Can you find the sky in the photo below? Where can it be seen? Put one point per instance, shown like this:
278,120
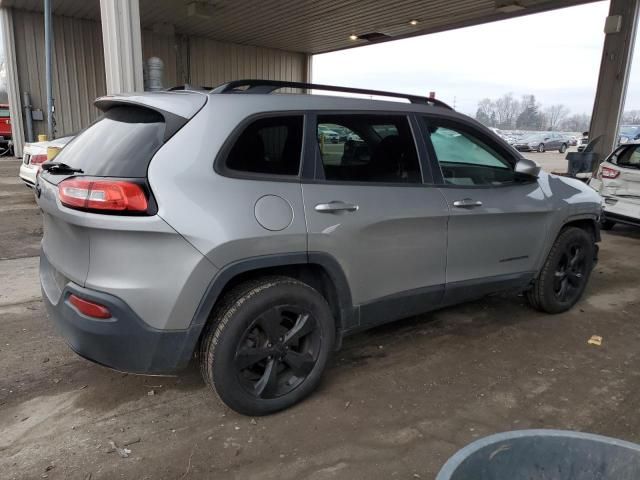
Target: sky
554,55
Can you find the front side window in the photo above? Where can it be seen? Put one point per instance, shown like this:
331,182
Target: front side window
367,148
268,145
467,160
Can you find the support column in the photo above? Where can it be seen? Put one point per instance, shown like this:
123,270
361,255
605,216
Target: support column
122,45
308,68
13,87
614,74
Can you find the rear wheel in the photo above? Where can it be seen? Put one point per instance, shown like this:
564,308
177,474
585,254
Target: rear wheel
267,345
541,148
565,273
563,148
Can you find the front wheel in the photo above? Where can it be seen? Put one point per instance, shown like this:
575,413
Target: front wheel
565,273
541,148
563,148
267,345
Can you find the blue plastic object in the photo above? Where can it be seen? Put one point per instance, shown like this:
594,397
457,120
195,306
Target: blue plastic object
544,455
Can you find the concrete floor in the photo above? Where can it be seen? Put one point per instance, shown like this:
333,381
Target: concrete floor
395,403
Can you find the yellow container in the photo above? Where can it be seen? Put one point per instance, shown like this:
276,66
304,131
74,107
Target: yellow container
52,152
42,137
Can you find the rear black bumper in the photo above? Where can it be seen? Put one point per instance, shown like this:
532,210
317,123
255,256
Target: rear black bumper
615,217
123,342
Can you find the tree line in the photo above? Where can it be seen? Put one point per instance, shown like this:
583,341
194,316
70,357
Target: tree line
509,113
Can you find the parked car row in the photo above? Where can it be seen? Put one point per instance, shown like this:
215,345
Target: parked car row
626,134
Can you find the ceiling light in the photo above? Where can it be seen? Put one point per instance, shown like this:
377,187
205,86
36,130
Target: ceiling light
414,22
508,6
353,37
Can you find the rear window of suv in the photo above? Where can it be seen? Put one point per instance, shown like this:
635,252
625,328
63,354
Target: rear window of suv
120,144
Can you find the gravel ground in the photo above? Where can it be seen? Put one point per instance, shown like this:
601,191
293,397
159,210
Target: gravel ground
396,402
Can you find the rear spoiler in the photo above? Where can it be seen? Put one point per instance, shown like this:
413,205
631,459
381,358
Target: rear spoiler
177,108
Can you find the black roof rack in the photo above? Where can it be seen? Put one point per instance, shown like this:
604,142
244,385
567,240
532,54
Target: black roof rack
268,86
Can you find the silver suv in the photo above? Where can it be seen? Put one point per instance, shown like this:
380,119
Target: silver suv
223,225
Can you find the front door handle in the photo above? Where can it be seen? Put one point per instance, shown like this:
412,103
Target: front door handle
334,207
467,203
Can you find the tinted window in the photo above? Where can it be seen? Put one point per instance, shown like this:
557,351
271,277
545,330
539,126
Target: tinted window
367,148
4,112
466,159
268,145
120,144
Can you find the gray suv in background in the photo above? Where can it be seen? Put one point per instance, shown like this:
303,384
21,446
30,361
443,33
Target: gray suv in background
218,224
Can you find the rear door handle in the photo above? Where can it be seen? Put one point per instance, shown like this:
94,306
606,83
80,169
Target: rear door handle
467,203
334,207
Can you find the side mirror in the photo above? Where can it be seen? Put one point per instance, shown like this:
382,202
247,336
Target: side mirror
528,168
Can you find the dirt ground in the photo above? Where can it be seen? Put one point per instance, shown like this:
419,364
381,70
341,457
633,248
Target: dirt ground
395,403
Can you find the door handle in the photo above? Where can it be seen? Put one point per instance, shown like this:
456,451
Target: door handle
467,203
334,207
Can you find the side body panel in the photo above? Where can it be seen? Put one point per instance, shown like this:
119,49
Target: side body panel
217,214
503,236
395,242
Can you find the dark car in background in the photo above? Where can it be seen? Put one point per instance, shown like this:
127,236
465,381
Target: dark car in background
541,142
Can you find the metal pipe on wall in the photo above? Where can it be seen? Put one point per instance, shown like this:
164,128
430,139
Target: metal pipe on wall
48,47
28,119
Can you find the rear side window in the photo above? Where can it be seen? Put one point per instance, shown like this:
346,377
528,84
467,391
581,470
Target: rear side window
367,148
268,145
120,144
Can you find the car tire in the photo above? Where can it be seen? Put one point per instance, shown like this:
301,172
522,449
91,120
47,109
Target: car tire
607,224
563,148
541,148
267,344
565,273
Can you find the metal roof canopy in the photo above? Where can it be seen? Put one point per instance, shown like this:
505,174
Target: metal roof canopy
309,26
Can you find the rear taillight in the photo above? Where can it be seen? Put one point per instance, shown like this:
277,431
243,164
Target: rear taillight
37,159
104,195
609,172
88,308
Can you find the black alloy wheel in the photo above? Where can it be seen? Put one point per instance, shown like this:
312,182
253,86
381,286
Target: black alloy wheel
570,272
277,351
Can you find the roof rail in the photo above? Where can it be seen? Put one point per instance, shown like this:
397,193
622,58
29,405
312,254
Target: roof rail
269,86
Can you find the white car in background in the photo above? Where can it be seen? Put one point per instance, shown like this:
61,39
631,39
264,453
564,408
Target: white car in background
618,182
34,155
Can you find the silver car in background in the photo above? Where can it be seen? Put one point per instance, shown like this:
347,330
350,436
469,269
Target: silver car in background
217,225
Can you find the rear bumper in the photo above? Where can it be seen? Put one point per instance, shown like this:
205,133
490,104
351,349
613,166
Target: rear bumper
28,174
123,342
616,217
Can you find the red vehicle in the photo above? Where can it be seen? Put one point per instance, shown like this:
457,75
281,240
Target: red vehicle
5,128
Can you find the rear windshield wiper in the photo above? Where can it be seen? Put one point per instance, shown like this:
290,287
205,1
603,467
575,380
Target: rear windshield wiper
59,167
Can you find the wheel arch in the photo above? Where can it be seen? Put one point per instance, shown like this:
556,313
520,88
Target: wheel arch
588,222
319,270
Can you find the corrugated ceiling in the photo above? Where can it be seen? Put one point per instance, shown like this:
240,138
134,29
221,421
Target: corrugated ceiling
311,26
